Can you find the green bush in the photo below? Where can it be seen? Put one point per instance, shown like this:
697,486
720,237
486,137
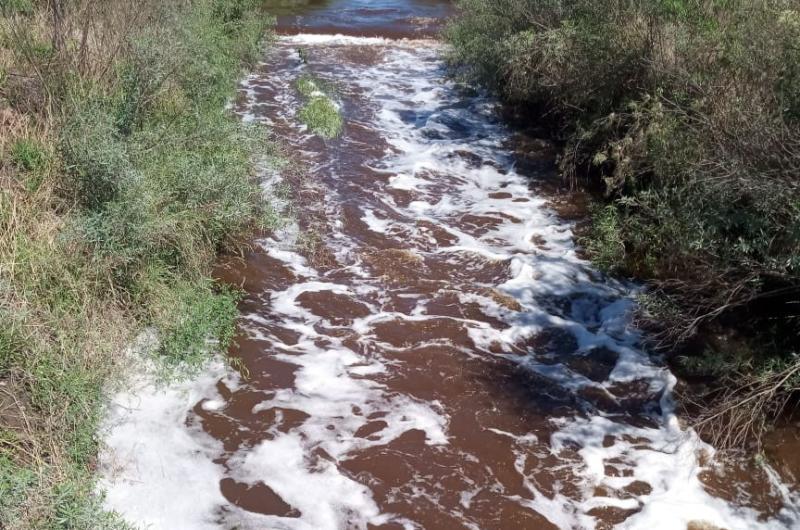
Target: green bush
93,151
163,172
685,114
687,119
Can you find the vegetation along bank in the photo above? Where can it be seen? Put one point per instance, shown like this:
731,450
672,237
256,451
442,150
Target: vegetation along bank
121,178
684,116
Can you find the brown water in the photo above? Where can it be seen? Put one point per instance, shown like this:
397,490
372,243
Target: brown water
365,18
424,347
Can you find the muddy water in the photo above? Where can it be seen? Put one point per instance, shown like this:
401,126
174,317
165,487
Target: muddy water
365,18
424,348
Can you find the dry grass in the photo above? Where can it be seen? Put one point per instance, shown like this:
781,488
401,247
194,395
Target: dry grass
85,87
689,130
395,264
507,301
734,415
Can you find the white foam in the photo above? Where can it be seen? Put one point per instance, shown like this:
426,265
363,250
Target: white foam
338,385
329,385
668,463
313,39
295,261
375,224
324,496
155,469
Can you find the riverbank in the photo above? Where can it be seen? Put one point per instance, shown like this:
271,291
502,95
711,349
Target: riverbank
682,118
122,178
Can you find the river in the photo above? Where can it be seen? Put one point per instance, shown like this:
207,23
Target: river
424,347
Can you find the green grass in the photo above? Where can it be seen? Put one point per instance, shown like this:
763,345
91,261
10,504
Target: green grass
21,7
603,242
31,159
15,484
322,117
194,319
28,155
73,503
140,182
307,85
319,113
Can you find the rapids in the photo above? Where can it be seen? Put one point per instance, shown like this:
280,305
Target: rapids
424,348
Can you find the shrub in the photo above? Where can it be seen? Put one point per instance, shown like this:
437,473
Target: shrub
94,153
684,113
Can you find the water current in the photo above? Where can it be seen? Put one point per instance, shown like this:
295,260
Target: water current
424,346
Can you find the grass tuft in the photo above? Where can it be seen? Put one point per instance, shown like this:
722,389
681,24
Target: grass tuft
319,113
28,155
322,117
194,319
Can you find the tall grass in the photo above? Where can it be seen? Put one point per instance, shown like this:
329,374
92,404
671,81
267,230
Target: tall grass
685,114
122,178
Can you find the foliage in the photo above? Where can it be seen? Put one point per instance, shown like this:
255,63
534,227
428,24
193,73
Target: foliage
685,113
189,317
15,483
134,179
322,117
75,505
28,155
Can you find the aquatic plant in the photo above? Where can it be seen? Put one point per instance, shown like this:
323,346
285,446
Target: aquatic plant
320,113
